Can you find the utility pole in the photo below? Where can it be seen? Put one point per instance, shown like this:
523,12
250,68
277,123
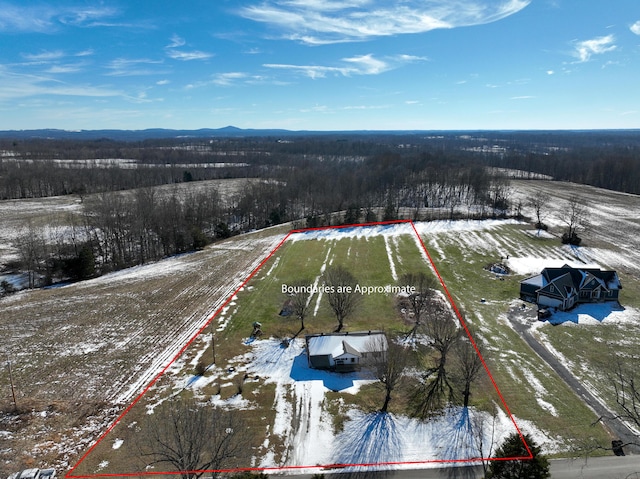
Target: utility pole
13,391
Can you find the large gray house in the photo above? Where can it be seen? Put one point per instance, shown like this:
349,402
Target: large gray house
563,288
344,351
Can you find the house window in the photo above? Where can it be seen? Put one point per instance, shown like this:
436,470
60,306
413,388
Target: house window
552,289
353,360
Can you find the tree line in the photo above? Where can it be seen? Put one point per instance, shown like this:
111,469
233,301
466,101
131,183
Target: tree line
311,182
118,229
612,167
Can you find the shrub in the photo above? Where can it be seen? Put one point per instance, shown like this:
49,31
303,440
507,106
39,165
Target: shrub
200,368
535,468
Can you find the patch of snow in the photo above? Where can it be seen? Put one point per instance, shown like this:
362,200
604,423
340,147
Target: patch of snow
595,313
540,392
117,443
303,423
273,266
529,265
161,268
424,228
392,265
540,234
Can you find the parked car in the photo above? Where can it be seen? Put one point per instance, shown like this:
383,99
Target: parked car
543,313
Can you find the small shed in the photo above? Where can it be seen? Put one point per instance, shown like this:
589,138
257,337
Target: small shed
344,351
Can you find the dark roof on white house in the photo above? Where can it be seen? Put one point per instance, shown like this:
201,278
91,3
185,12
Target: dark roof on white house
567,276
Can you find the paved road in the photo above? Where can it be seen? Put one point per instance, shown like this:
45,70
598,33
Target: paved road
609,467
616,427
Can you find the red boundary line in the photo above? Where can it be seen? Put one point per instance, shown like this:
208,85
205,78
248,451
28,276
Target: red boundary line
70,474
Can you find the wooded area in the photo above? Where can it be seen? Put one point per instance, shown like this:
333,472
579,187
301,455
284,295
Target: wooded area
314,181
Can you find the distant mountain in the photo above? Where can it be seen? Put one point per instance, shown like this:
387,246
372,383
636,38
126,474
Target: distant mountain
137,135
161,133
597,136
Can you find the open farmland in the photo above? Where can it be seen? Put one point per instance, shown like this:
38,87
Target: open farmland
80,353
94,345
292,407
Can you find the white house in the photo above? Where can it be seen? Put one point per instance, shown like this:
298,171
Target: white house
344,351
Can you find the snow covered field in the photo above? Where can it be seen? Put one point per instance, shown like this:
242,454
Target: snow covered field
370,438
95,345
102,341
303,426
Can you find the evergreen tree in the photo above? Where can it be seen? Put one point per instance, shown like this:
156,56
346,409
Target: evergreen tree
535,468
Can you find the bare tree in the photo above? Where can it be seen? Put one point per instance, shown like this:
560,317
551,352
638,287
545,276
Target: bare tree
467,366
574,216
627,388
299,300
31,248
193,439
389,367
483,439
539,203
341,293
626,384
436,389
424,291
500,192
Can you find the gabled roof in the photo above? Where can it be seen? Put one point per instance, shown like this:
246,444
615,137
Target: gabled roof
563,286
336,344
567,278
345,348
552,274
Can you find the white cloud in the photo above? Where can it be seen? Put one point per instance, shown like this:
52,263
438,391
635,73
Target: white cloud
48,18
596,46
367,65
227,79
45,56
188,56
176,42
16,85
311,71
68,68
132,67
359,65
88,16
635,28
85,53
320,22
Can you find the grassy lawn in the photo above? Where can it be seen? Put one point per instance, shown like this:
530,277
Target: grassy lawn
531,390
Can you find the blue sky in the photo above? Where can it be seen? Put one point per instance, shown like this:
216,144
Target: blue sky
320,64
